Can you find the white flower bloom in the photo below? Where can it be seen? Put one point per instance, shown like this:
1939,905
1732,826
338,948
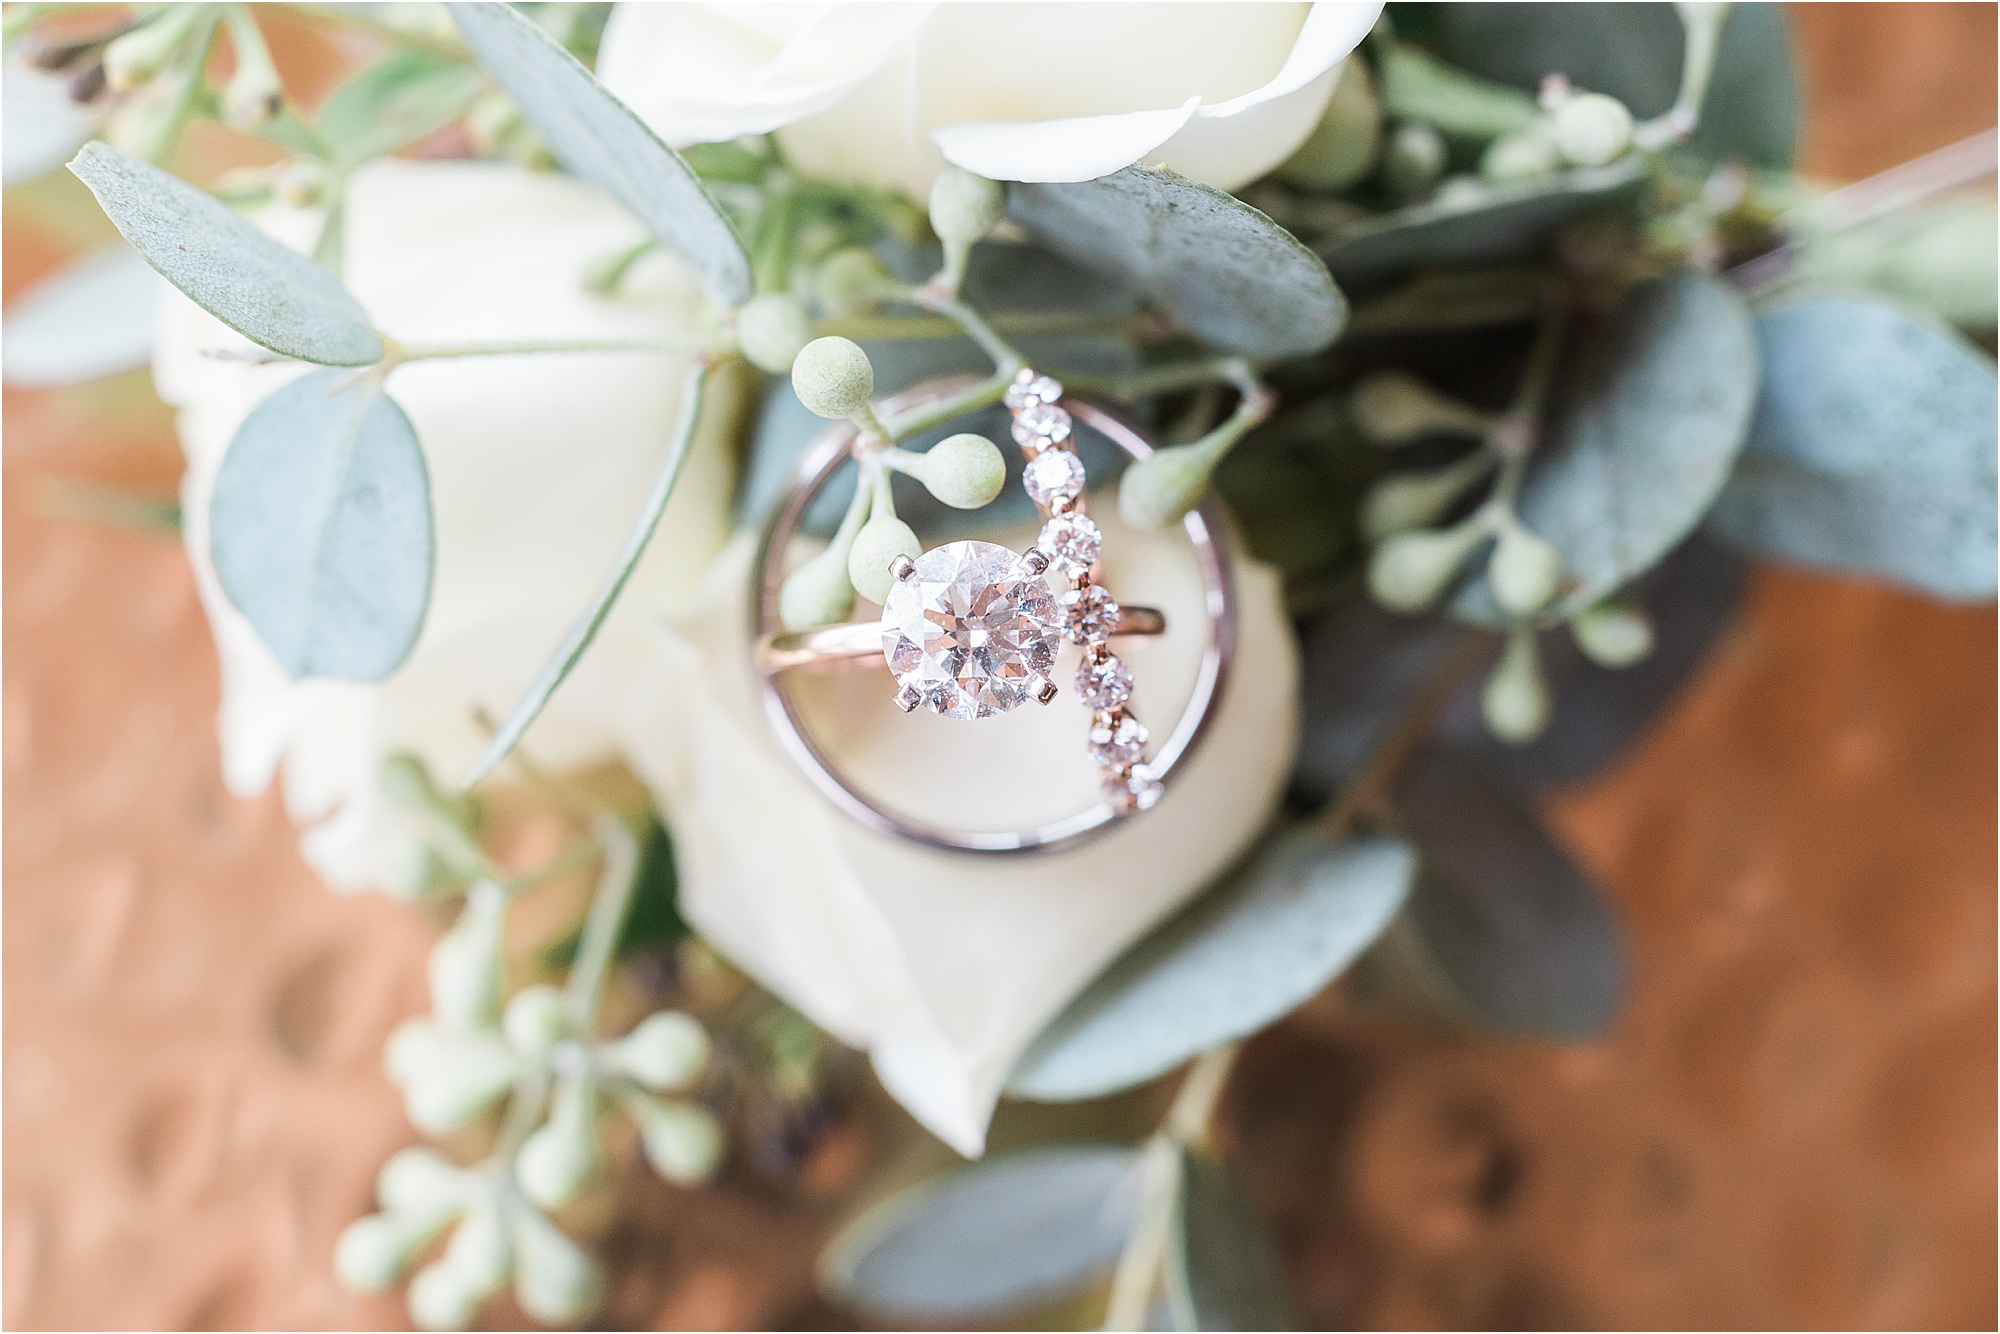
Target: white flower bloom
884,94
945,966
538,464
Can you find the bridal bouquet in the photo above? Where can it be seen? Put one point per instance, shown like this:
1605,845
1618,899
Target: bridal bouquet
1492,340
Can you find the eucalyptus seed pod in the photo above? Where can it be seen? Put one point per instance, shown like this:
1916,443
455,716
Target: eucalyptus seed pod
818,592
479,1249
140,55
554,1280
535,1020
666,1051
420,1182
1592,130
1157,492
833,378
1341,148
1412,161
372,1251
561,1156
1515,702
465,963
683,1142
1520,156
1410,571
254,94
442,1298
1525,571
1613,633
772,330
851,282
462,1075
883,538
1419,499
965,207
965,471
1393,407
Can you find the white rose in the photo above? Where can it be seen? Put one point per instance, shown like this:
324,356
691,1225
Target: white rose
884,94
945,966
538,464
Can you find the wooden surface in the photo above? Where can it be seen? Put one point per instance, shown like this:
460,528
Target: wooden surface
1792,1124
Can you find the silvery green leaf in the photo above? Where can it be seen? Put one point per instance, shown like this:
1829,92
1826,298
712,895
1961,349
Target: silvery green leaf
40,126
1361,667
1632,52
1478,223
1239,958
1690,598
571,650
321,527
1940,259
92,319
600,139
1872,449
1003,1233
395,102
1220,269
274,296
1221,1267
1517,931
1650,413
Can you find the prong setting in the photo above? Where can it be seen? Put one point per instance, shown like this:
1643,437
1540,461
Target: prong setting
902,568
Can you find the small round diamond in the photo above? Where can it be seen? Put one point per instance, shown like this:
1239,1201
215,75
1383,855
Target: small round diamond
1071,542
1137,791
1040,389
1041,425
1052,475
1118,741
1090,614
1103,685
970,632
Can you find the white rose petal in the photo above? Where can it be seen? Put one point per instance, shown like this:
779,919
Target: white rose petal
945,966
538,464
886,94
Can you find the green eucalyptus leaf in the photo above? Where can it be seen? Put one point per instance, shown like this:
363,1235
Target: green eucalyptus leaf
1477,222
1872,449
1220,269
1239,958
320,527
1013,1230
600,139
396,102
1940,259
272,295
1513,927
1633,53
1650,413
1221,1267
568,653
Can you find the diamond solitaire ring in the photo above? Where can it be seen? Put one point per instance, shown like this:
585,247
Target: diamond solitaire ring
972,629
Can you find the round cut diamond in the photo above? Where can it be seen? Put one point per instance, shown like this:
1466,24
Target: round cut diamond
972,632
1053,474
1041,425
1090,614
1103,685
1118,741
1071,542
1039,389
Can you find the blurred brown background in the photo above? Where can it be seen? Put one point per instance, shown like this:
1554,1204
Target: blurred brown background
1793,1123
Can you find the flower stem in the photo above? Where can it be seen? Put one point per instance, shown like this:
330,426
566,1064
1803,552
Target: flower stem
399,354
1007,360
969,399
608,906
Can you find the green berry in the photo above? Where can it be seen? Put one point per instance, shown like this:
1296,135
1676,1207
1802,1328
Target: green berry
666,1051
965,471
1156,492
965,207
1613,634
772,330
1413,161
536,1019
554,1280
876,546
1410,571
1522,155
683,1142
851,282
556,1161
1592,129
1342,146
818,592
1525,571
1394,408
465,963
442,1298
833,378
1515,702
